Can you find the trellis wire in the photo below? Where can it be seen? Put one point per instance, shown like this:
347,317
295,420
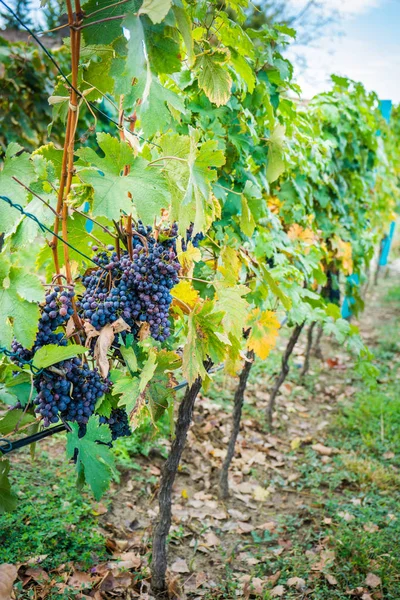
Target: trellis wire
44,227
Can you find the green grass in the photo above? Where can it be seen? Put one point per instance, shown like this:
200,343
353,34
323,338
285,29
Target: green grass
52,518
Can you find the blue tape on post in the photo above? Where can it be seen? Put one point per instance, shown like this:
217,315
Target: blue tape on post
385,107
386,245
89,224
348,302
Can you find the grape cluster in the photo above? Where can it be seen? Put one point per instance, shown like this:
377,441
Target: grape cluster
71,392
55,312
136,289
189,238
118,423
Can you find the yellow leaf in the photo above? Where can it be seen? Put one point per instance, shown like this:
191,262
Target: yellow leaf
295,443
296,232
188,258
274,204
185,293
260,494
264,332
229,265
184,494
344,253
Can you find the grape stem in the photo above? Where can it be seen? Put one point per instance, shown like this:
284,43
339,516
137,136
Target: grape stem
28,189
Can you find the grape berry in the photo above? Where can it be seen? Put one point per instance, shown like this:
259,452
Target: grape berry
118,423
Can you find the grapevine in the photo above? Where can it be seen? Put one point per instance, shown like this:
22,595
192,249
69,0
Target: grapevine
210,209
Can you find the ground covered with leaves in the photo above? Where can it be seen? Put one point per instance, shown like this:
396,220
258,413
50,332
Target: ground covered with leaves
313,512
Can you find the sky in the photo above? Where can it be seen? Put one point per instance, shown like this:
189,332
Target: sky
367,49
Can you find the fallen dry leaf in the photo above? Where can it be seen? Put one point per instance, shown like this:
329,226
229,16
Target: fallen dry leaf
297,582
372,580
260,494
278,591
324,450
388,455
8,574
244,527
212,539
331,579
346,516
370,527
180,566
80,580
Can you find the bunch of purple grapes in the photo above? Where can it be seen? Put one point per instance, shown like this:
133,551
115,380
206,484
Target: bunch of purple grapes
71,391
118,423
189,238
137,289
56,311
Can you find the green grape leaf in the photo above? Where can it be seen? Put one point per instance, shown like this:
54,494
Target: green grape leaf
105,33
205,338
20,292
230,300
276,164
214,78
14,166
52,354
157,394
147,186
275,289
152,112
185,28
156,10
129,356
190,178
8,501
128,390
13,418
95,461
148,371
247,222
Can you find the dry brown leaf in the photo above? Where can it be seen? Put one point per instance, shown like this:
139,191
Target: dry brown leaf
268,526
129,560
274,578
105,339
144,331
70,328
372,580
388,455
324,450
180,566
366,597
331,579
370,527
298,582
80,580
211,539
346,516
8,574
244,527
99,509
116,581
278,591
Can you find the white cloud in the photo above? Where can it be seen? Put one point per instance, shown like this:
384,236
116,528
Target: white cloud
359,59
342,7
